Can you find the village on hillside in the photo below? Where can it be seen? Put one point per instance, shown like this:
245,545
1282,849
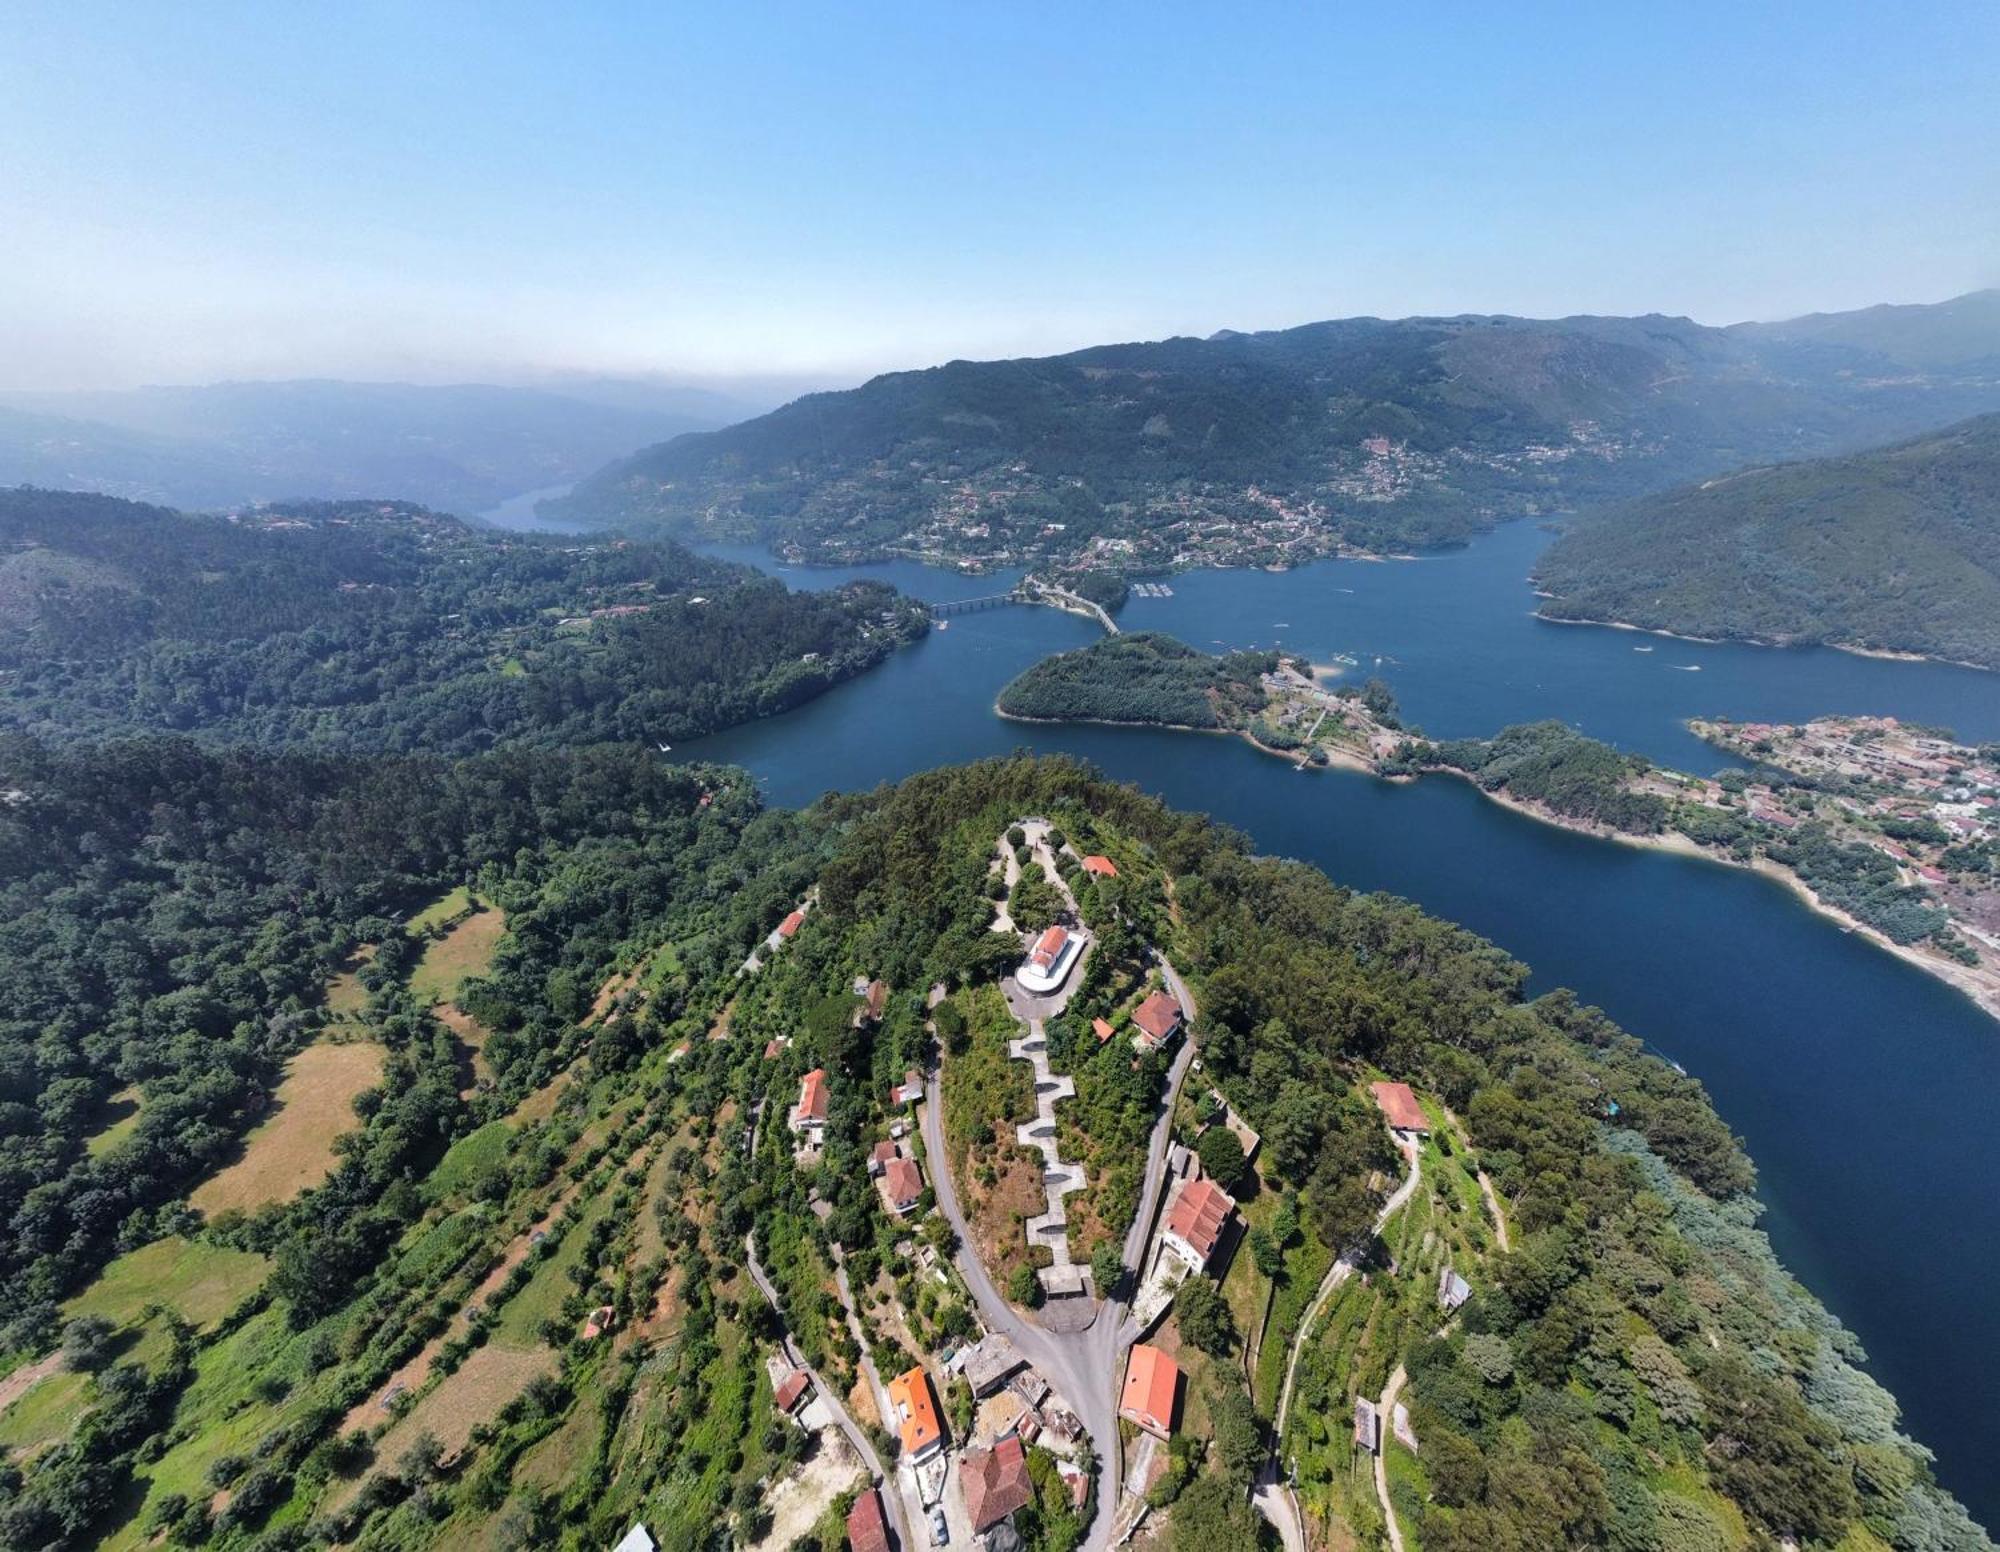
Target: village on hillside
1060,1360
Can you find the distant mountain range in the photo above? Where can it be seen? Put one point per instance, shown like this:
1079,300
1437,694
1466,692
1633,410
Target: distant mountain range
1897,549
1248,448
461,448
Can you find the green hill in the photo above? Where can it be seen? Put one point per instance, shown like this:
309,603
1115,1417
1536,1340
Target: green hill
1897,550
369,625
1143,676
1253,447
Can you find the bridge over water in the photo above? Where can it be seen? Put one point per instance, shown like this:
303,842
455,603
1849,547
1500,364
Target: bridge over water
953,606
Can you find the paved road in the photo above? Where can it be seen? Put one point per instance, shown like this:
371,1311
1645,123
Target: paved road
1273,1499
1085,1366
863,1445
1079,1364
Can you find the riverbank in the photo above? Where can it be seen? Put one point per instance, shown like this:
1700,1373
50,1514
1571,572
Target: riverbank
1980,983
1881,654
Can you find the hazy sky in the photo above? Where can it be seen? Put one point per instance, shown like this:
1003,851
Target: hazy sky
428,189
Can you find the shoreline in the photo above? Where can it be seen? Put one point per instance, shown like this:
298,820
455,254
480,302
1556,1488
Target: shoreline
1884,654
1979,984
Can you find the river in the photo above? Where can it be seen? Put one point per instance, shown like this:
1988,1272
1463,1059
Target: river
1837,1063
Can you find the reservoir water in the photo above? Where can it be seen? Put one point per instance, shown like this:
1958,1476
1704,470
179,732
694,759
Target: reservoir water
1843,1068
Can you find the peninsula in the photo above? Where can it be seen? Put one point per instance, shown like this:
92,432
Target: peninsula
1891,830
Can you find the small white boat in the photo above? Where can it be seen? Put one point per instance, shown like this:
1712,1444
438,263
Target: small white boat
1642,649
1689,668
666,749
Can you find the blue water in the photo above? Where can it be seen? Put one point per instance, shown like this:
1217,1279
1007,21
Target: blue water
1842,1067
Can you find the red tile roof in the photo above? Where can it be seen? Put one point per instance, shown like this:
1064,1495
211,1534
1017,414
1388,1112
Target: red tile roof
1401,1107
1158,1017
1152,1380
812,1096
904,1181
1104,867
916,1413
790,924
884,1151
791,1388
1102,1029
875,1000
1200,1213
772,1048
867,1531
1048,948
995,1482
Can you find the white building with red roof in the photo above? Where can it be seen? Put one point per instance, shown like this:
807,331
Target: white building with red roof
1050,961
809,1114
1197,1220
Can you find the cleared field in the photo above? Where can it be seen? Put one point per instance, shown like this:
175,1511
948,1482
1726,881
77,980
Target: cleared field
345,995
489,1378
121,1120
44,1411
462,953
202,1283
294,1148
441,910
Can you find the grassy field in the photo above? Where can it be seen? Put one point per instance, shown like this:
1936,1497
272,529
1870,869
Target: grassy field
44,1413
345,995
294,1148
462,953
468,1160
200,1282
488,1379
521,1319
120,1120
439,911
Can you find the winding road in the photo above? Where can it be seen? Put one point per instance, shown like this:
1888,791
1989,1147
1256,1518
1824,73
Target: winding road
1084,1366
863,1445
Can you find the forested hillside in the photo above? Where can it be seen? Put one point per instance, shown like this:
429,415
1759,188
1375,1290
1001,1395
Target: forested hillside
367,625
1141,676
1362,432
1637,1372
1897,550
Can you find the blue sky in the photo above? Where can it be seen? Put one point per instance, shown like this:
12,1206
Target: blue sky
438,190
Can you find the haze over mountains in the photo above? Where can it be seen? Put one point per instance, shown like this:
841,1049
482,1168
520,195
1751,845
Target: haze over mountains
1270,446
460,448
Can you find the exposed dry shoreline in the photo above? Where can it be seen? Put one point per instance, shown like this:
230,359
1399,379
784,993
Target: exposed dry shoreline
1889,654
1982,985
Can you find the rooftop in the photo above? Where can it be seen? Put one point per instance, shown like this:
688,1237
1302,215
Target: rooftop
916,1413
1199,1214
1049,946
1152,1380
995,1482
791,1389
867,1531
903,1181
791,924
1400,1106
988,1362
812,1096
1159,1016
1103,867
